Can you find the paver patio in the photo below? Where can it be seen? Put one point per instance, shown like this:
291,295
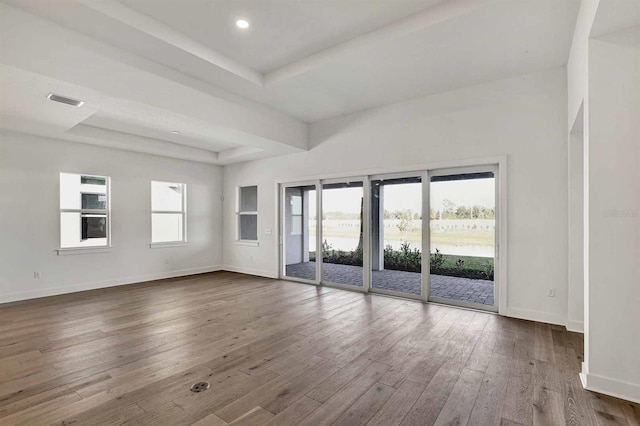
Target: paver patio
464,289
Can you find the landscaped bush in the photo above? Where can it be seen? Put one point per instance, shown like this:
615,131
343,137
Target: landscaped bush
410,260
338,257
405,259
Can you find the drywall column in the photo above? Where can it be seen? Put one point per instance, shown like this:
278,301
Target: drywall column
377,227
575,292
613,292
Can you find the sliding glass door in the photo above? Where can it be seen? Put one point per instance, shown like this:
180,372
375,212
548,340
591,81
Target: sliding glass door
428,235
343,233
299,229
396,235
462,230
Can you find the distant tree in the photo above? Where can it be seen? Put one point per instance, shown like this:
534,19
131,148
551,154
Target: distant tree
340,215
449,209
404,222
463,212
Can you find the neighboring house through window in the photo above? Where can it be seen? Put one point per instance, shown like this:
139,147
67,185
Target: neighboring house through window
247,212
84,211
168,212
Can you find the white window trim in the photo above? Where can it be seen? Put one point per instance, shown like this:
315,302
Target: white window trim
169,244
252,243
239,213
62,251
178,243
83,250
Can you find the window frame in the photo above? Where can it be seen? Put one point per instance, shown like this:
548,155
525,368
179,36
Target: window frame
81,211
177,243
299,216
240,213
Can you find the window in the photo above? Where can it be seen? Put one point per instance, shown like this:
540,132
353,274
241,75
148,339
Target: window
84,211
296,215
247,211
168,212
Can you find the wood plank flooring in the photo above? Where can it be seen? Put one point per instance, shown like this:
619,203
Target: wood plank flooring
281,353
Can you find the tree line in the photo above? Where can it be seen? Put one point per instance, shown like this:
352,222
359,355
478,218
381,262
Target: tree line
449,211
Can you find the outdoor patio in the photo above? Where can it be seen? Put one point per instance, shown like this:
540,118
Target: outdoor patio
464,289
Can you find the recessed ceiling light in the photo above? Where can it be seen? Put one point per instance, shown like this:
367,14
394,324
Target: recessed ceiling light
242,23
175,132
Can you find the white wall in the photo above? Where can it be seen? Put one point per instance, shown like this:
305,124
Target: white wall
524,118
612,313
30,220
577,64
577,139
575,302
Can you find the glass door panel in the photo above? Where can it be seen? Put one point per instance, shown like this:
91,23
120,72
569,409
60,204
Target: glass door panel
396,235
342,233
299,228
462,238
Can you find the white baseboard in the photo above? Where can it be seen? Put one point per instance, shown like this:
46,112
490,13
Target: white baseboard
575,326
616,388
250,271
531,315
54,291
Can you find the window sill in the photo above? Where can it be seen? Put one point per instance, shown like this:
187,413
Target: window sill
169,245
83,250
246,243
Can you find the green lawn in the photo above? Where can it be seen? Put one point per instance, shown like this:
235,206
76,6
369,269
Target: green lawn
471,263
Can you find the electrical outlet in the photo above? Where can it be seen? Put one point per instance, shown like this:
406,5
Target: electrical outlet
251,258
36,275
551,292
166,260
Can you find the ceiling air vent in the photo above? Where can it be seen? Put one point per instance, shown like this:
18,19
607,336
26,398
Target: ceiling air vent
62,99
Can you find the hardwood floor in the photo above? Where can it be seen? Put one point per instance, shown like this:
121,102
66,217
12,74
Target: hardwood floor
281,353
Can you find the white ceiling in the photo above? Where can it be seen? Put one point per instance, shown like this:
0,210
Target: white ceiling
618,21
282,31
147,67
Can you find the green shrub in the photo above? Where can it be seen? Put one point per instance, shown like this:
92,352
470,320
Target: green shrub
410,260
488,269
437,260
405,259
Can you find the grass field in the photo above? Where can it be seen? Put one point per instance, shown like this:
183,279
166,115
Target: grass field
470,262
467,237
